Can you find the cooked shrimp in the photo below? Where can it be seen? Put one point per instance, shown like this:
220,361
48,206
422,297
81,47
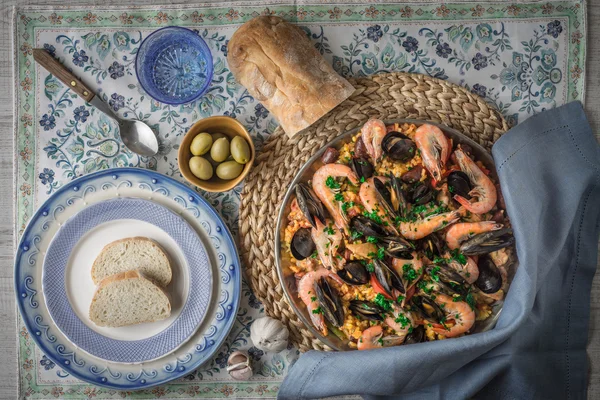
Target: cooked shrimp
444,196
324,185
368,198
327,240
306,292
460,232
469,271
457,311
416,264
434,148
371,338
484,189
373,132
420,228
401,322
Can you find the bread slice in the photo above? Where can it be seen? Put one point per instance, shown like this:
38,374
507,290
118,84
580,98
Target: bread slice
128,298
128,254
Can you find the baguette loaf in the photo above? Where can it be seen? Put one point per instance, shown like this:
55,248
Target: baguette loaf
133,253
128,298
281,68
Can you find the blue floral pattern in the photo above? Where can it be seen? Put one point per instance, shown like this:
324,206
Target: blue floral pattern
520,68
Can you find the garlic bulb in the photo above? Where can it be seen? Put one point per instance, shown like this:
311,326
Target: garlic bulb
269,334
238,366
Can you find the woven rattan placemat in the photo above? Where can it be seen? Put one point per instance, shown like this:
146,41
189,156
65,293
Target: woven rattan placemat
385,96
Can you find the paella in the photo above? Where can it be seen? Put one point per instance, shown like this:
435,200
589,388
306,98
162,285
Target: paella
399,237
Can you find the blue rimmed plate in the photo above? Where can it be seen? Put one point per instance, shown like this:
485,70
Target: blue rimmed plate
132,183
68,287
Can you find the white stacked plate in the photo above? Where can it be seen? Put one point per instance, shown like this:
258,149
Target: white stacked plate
54,285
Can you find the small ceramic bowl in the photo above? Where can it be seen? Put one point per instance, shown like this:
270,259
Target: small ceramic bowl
218,124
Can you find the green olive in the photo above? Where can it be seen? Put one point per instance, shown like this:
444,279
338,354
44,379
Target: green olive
229,170
216,136
201,144
240,150
201,168
220,150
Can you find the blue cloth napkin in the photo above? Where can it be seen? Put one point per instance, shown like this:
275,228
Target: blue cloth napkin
549,170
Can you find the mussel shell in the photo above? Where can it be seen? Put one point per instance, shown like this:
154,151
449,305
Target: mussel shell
416,336
367,226
427,308
385,196
388,278
398,146
432,245
446,274
367,310
421,194
490,278
397,247
362,167
330,302
398,199
302,244
488,242
459,183
309,204
354,273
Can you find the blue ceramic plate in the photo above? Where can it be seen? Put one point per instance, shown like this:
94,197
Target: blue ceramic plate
67,280
133,183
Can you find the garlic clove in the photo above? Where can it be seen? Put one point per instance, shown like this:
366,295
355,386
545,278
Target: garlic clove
238,365
269,334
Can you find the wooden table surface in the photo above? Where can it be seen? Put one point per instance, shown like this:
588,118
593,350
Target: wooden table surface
8,337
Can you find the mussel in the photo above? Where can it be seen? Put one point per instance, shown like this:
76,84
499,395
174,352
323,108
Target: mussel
367,310
367,227
354,273
459,183
447,280
391,196
302,244
416,336
490,278
309,204
362,167
432,245
330,302
398,146
388,278
428,309
421,193
487,242
397,247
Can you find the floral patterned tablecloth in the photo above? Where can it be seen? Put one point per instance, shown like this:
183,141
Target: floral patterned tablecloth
522,57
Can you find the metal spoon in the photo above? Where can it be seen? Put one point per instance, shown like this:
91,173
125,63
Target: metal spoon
136,135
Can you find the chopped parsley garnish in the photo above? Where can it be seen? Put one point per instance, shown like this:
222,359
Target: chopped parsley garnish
346,205
338,197
409,273
423,286
458,256
371,239
370,267
399,299
470,300
380,253
382,302
354,234
373,215
331,183
434,273
380,340
317,311
314,254
329,230
362,179
313,299
402,320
